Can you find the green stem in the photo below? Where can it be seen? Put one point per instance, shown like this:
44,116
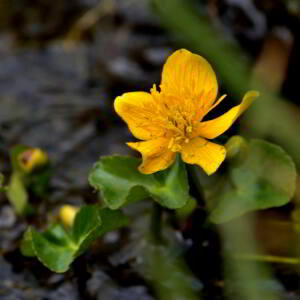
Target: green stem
268,258
156,222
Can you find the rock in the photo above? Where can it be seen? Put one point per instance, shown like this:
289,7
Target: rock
7,217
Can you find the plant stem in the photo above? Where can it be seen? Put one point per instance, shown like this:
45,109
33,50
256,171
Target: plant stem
268,258
156,222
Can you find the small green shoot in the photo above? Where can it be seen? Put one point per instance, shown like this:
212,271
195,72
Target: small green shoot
57,247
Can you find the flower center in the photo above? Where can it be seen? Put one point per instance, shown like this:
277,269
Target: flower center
179,129
178,116
175,143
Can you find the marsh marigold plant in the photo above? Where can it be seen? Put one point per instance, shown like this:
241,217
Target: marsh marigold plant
170,120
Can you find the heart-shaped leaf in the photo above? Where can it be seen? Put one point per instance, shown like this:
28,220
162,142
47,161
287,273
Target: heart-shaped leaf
120,182
57,248
263,178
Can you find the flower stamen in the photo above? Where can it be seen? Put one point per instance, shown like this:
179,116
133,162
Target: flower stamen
171,143
189,129
176,148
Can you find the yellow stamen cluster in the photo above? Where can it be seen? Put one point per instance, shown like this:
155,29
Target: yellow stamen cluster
178,119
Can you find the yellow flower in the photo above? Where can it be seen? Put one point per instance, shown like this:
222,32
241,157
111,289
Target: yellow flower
170,121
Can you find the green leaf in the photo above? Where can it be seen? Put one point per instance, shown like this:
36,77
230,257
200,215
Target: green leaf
17,194
116,176
120,182
26,244
264,178
57,248
86,221
92,222
187,209
53,248
173,188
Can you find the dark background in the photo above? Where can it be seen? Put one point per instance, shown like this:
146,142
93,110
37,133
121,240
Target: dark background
63,62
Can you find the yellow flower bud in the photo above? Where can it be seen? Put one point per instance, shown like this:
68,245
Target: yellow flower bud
67,214
32,159
236,147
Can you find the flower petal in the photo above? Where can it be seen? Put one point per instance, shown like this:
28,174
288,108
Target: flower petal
216,103
204,153
213,128
137,109
189,75
155,153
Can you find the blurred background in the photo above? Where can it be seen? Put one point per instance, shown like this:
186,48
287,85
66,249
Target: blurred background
62,63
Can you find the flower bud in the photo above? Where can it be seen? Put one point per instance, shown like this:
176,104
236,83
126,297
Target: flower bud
67,214
236,148
32,159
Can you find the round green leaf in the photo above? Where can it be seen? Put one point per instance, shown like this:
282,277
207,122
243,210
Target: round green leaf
53,248
120,182
116,176
265,178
